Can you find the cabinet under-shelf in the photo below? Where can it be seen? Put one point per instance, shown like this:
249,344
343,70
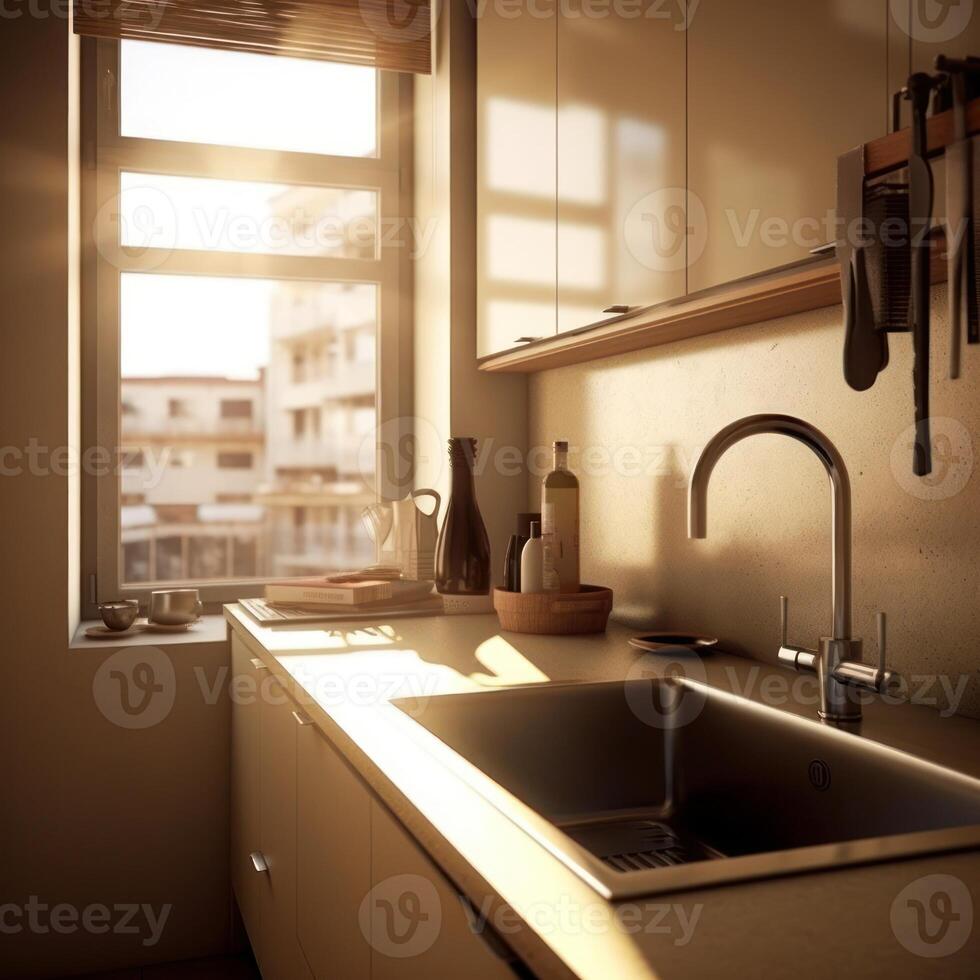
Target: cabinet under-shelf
765,297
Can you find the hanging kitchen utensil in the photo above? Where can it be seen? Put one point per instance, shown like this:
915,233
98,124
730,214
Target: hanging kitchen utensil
918,92
886,209
865,349
961,228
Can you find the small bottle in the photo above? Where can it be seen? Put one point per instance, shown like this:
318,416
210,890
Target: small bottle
512,561
559,519
463,549
532,561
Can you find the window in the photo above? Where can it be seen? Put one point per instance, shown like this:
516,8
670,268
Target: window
236,408
235,461
250,288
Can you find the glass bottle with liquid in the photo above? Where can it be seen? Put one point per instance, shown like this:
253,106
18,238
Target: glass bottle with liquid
559,525
463,548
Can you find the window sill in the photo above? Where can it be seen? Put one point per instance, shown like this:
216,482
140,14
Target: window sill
208,629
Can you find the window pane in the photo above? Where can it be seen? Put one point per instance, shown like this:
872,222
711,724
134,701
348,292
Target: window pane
231,98
220,481
204,214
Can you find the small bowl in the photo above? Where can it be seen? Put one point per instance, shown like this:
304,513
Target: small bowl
119,614
675,642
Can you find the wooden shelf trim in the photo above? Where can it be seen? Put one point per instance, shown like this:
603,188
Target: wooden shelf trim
890,152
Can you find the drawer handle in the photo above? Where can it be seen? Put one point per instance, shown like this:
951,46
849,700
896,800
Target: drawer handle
526,340
617,308
257,664
259,862
302,720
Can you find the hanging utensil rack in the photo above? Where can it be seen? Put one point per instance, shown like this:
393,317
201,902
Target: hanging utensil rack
882,279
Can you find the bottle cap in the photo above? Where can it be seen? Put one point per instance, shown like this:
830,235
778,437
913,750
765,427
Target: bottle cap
535,529
561,447
524,523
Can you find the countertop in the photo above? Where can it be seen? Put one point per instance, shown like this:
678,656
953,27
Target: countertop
798,926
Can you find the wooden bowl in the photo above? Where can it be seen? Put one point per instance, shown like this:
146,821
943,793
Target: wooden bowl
556,613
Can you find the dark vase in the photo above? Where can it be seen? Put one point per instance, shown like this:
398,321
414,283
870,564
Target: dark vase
463,548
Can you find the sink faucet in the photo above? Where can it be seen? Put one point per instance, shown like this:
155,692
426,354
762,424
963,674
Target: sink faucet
838,662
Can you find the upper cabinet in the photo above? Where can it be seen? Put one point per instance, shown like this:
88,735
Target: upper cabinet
633,154
516,182
777,89
621,159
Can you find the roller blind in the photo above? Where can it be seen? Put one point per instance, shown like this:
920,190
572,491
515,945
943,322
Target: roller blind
392,34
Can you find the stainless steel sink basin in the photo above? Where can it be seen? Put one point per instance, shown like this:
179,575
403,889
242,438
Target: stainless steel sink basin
652,786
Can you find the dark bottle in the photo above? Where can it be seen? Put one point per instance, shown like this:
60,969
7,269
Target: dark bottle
463,548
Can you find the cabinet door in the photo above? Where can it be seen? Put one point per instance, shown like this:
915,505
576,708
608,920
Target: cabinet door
246,786
419,928
281,958
334,860
621,160
777,90
515,175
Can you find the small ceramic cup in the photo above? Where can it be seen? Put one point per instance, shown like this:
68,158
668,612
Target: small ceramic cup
175,607
119,614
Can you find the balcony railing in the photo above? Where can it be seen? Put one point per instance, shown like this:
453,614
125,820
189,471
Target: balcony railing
346,381
136,426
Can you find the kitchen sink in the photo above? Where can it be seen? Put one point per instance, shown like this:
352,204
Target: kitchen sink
649,786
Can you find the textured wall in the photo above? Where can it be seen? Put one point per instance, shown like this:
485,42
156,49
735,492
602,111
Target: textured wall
643,417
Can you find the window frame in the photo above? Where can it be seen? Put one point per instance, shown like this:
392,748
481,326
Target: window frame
106,154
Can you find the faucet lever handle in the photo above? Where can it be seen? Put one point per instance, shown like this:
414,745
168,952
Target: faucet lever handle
799,657
878,678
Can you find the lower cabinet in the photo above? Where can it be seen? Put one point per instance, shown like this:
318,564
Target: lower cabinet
420,927
246,787
263,815
280,728
329,884
334,872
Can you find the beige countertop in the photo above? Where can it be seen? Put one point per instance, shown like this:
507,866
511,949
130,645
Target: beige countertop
805,925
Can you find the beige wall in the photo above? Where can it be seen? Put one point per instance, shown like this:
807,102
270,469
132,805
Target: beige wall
90,813
769,506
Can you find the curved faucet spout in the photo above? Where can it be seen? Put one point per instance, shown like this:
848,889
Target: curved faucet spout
840,487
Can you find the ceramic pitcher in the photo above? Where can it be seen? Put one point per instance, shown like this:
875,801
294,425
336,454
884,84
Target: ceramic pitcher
406,534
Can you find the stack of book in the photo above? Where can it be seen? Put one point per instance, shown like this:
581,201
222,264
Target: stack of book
343,597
